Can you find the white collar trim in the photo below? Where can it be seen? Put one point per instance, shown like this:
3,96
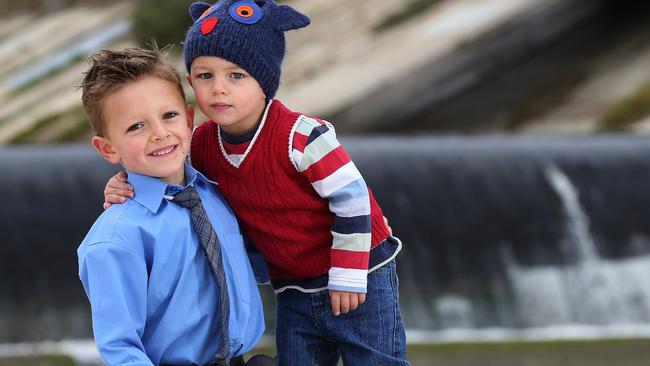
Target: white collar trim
234,162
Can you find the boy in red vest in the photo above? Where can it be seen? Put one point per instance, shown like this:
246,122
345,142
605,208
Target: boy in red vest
297,194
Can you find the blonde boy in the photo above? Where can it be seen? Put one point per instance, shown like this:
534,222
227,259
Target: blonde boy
154,298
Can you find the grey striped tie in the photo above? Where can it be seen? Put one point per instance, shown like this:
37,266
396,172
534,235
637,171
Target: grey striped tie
210,243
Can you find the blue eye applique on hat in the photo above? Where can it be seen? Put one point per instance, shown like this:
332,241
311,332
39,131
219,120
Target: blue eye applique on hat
246,11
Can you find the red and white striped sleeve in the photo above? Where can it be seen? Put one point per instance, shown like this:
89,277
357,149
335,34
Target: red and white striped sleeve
317,154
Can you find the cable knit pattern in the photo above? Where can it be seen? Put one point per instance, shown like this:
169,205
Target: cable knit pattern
282,212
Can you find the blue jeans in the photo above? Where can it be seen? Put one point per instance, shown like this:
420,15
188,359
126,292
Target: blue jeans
308,334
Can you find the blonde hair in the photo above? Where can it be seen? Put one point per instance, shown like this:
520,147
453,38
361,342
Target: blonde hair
109,70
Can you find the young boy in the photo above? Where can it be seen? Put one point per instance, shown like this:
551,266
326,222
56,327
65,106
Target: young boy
156,286
295,191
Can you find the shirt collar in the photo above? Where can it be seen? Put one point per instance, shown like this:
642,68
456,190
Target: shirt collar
250,135
150,191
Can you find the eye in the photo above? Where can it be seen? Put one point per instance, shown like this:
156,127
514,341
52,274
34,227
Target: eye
204,76
135,126
237,75
170,115
244,11
247,12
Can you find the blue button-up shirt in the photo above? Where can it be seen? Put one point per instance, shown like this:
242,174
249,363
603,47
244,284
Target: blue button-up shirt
154,299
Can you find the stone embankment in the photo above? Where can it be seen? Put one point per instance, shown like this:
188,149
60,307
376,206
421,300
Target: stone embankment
538,66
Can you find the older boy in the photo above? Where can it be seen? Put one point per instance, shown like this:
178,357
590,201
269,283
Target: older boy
166,287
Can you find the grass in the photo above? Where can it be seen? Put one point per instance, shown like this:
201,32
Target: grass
620,352
625,112
410,9
45,360
552,353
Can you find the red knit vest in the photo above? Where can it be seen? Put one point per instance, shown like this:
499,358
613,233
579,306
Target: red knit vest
276,206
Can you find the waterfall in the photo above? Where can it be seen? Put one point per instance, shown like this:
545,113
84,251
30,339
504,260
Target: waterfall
503,237
592,290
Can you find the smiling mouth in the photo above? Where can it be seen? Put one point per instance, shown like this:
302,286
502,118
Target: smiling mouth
164,151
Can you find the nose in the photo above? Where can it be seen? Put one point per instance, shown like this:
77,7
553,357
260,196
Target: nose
219,86
159,131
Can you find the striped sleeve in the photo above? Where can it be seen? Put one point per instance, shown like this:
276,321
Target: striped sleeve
318,156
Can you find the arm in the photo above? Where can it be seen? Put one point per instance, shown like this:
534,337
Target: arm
115,281
317,155
258,263
117,190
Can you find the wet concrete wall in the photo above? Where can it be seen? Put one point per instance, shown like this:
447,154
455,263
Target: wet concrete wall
486,222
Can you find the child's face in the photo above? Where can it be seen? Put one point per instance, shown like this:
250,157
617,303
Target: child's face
227,94
147,129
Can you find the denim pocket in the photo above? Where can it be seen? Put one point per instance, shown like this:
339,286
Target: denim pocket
240,267
385,270
384,280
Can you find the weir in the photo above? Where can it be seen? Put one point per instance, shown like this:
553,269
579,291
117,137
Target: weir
506,233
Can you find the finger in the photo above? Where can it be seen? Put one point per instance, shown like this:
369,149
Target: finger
106,205
390,230
118,180
335,299
115,184
345,303
118,192
362,298
354,302
114,198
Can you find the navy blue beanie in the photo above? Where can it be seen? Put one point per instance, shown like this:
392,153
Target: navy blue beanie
245,32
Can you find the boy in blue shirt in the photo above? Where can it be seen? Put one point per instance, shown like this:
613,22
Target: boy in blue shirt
157,296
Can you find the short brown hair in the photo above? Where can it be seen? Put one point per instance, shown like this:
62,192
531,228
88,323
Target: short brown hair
110,70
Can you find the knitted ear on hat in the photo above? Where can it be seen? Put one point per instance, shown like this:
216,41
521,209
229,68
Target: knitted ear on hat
197,9
291,19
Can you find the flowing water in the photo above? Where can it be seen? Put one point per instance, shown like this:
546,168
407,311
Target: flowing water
525,238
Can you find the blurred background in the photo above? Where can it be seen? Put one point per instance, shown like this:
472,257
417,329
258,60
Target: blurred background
504,139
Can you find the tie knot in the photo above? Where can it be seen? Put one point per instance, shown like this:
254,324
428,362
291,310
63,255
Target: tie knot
187,197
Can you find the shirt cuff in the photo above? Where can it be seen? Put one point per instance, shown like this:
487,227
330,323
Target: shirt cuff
347,279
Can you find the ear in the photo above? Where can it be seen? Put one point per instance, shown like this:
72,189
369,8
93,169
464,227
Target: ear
290,19
105,149
188,78
190,116
197,9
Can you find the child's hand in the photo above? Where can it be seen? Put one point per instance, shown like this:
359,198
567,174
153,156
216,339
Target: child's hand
117,190
390,231
343,302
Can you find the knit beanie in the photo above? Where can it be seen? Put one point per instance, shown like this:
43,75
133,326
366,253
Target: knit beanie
245,32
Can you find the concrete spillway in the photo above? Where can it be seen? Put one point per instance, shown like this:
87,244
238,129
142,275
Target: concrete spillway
498,232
